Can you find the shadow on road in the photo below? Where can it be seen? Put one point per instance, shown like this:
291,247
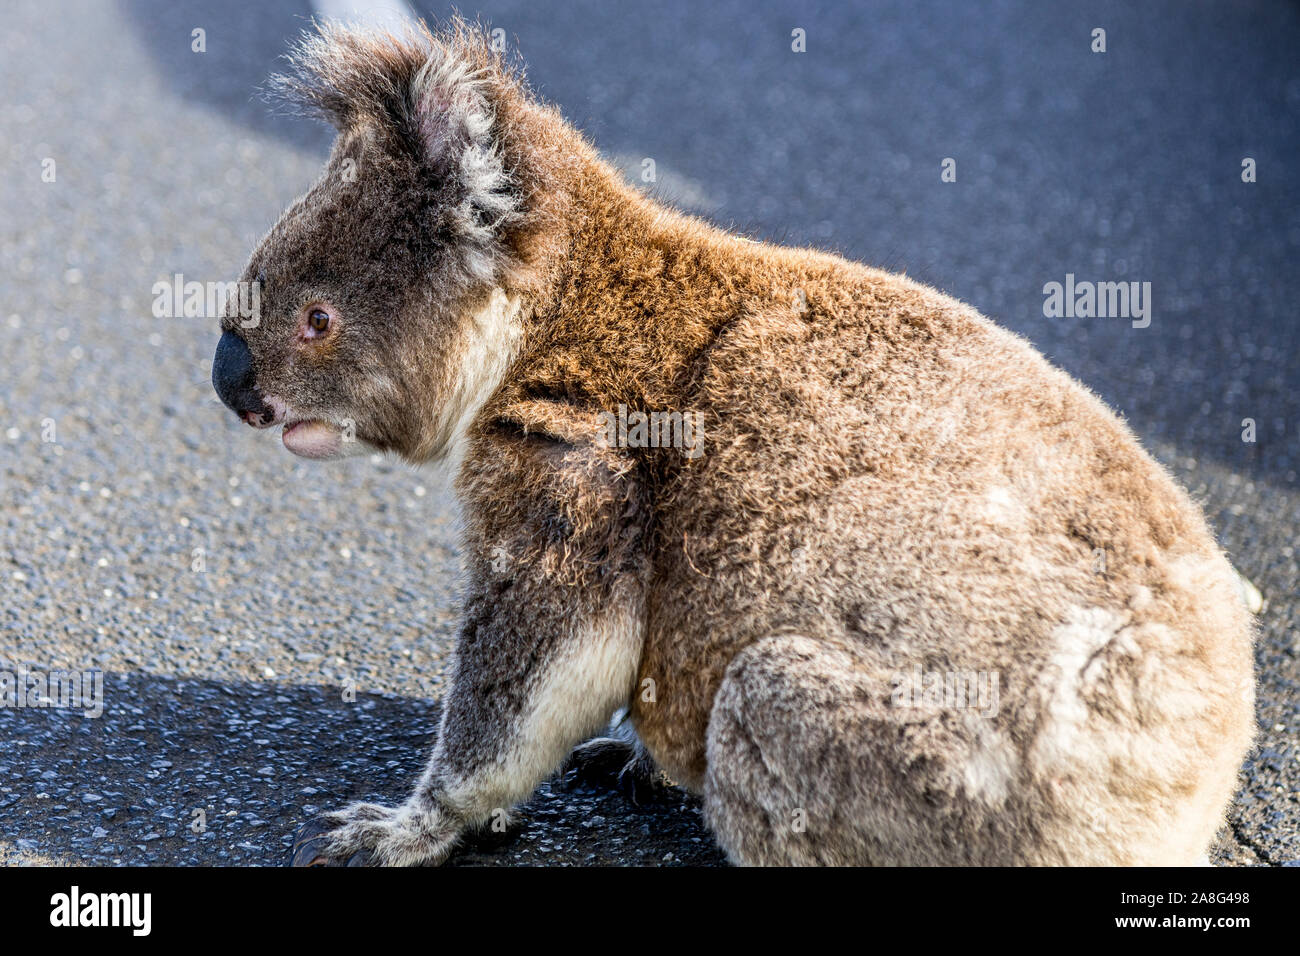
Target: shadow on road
186,772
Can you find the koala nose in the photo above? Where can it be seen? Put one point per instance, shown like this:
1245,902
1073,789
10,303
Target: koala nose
232,377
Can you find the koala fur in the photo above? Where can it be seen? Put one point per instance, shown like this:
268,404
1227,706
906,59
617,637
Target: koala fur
887,484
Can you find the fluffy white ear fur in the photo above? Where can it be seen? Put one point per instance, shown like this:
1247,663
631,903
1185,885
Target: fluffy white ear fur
456,121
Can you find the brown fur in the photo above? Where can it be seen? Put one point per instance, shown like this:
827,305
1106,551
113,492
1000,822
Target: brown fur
887,481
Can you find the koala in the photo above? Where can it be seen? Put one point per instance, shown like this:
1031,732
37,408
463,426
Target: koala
907,595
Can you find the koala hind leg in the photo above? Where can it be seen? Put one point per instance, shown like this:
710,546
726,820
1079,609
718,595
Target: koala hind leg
800,766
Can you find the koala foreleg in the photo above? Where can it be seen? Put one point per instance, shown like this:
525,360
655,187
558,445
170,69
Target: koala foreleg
528,685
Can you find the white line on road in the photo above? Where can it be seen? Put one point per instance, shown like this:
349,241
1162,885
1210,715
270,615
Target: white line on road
371,13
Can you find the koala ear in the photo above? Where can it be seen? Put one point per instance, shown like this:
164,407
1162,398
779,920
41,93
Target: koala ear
455,124
450,109
431,93
343,74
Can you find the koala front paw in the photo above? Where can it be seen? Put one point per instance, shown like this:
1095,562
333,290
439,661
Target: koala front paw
366,834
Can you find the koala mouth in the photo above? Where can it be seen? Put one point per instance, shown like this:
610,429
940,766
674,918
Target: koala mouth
313,438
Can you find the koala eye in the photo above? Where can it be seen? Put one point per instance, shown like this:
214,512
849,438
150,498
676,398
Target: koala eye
316,320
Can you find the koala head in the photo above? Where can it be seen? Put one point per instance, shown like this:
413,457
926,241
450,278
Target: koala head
380,302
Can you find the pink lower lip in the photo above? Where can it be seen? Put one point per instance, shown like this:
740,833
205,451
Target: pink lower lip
310,438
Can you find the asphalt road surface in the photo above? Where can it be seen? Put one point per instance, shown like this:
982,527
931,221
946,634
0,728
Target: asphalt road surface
235,597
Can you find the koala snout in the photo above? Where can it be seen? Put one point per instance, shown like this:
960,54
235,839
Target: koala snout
232,377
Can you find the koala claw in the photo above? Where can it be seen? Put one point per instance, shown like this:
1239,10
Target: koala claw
311,845
597,763
370,835
618,764
641,784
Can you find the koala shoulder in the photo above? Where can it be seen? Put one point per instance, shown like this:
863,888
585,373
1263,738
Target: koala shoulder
540,484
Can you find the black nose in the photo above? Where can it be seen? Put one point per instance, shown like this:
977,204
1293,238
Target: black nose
232,377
